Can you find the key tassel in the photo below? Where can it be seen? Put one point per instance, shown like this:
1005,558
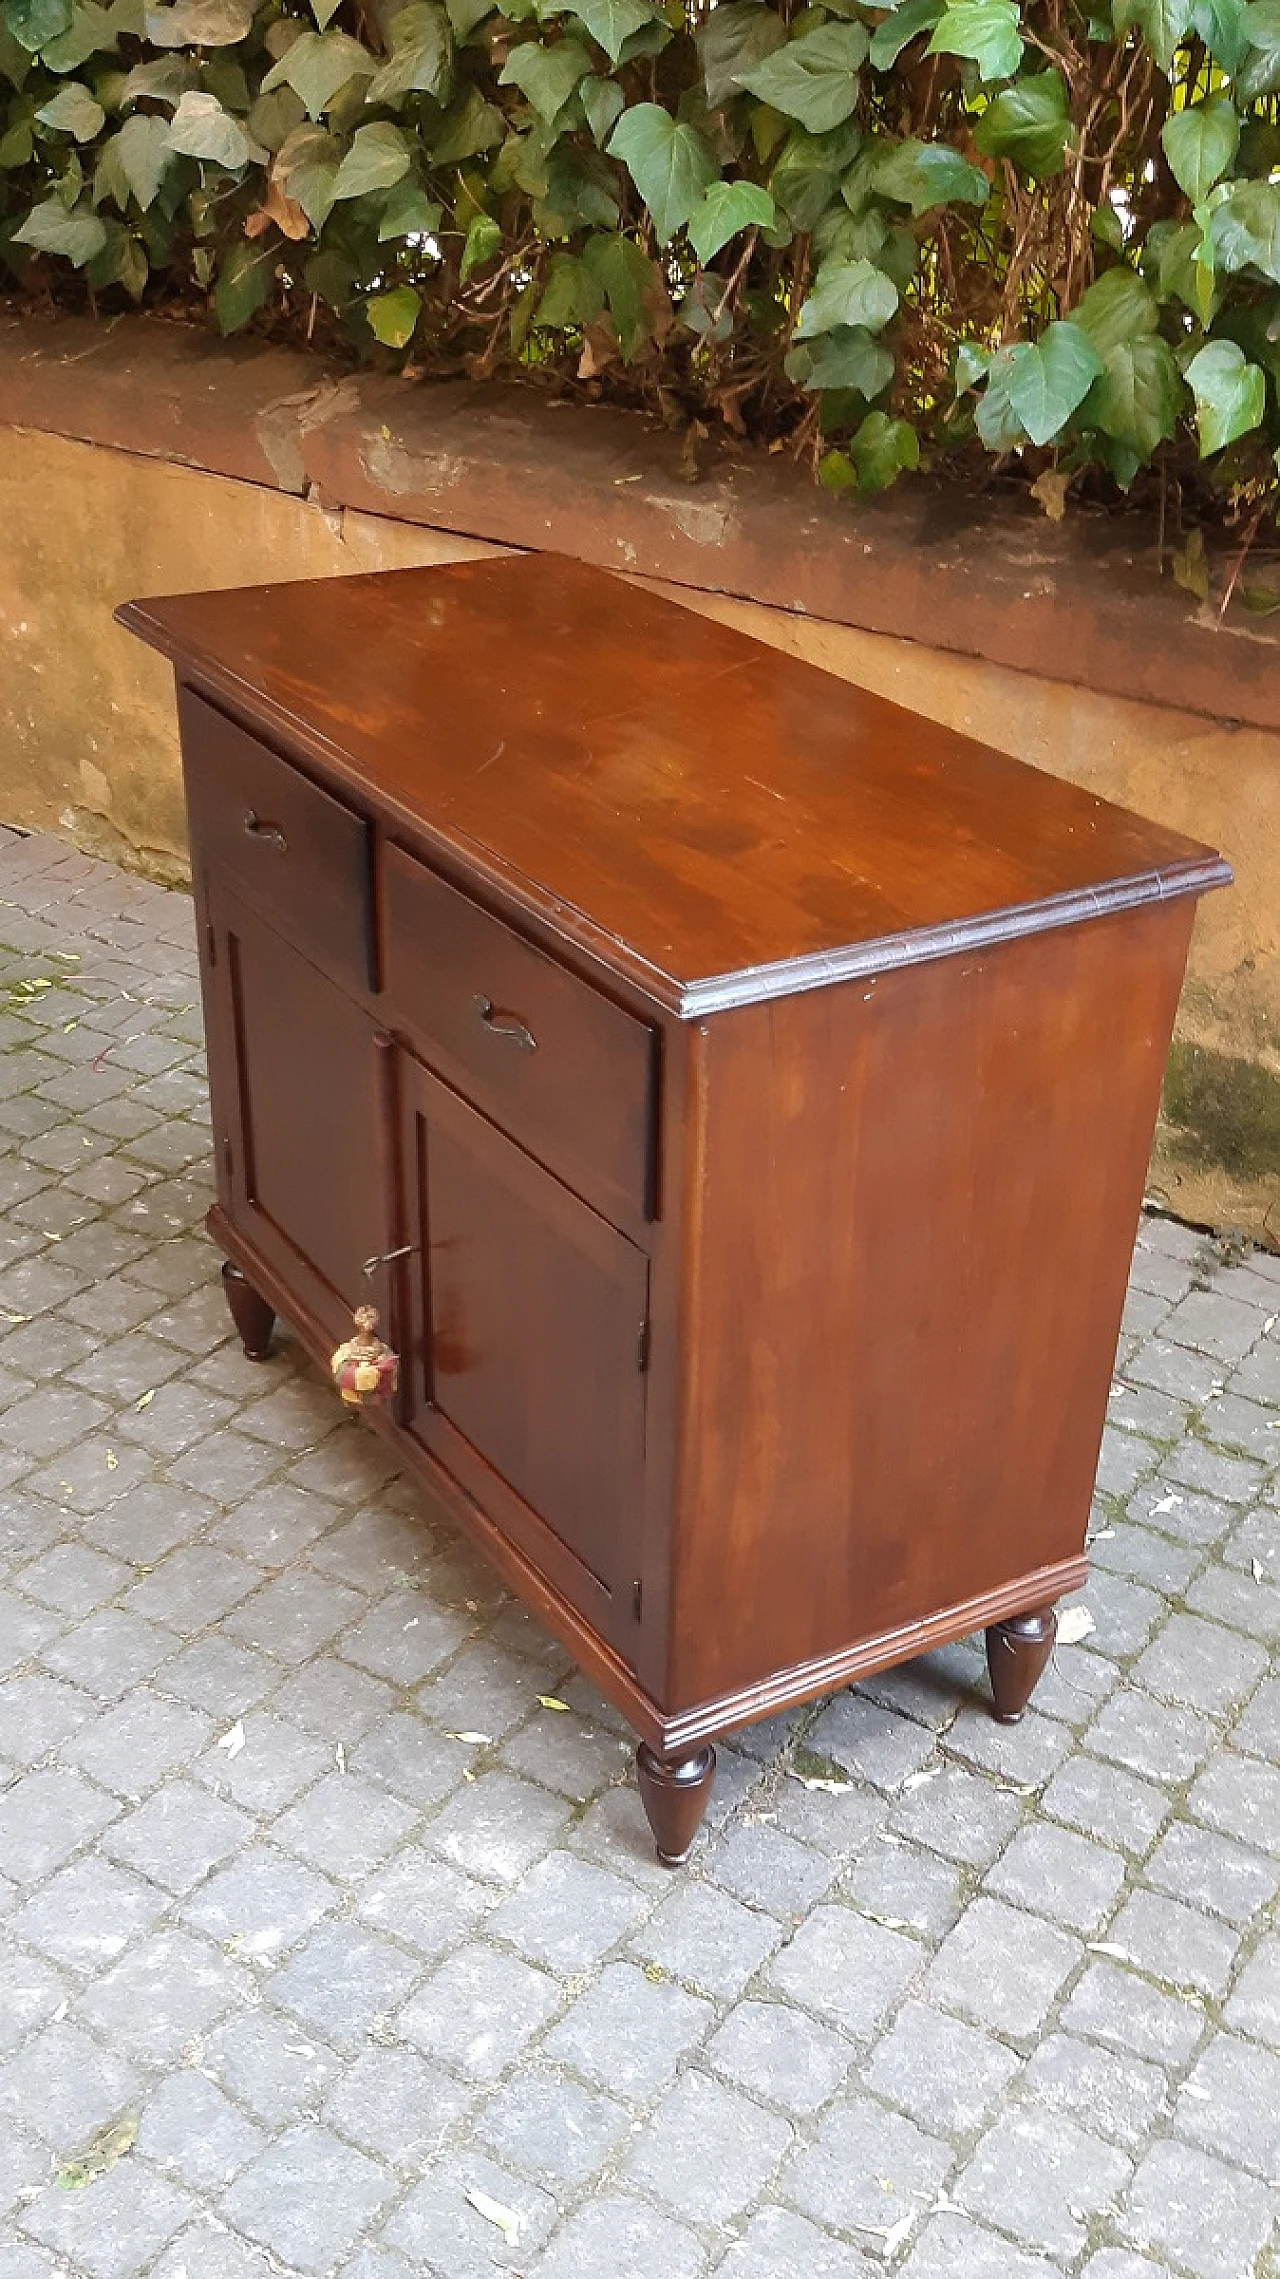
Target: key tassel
364,1369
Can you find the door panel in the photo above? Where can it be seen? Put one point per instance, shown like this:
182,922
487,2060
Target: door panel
529,1311
295,1105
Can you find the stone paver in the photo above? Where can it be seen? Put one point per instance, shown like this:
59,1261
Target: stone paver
298,1875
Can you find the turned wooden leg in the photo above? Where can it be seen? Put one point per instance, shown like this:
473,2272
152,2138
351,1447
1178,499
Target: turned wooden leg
675,1792
1017,1651
251,1314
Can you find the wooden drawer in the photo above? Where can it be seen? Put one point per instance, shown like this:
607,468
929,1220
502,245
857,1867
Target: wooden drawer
559,1066
296,853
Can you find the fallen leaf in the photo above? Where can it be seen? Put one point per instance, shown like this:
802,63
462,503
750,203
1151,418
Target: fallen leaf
1194,2089
106,2146
340,1756
820,1785
475,1740
494,2213
14,1317
549,1701
1107,1947
1269,1324
112,1460
1259,1571
917,1780
1102,1535
144,1400
233,1741
1166,1503
1050,491
1075,1624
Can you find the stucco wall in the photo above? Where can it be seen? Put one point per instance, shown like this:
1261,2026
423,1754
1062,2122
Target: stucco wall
88,742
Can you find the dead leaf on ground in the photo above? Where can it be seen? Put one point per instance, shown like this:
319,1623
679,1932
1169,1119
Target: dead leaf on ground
106,2146
505,2219
1050,491
1075,1624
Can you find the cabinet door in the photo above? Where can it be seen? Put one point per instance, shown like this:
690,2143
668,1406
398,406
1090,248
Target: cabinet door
296,1125
528,1349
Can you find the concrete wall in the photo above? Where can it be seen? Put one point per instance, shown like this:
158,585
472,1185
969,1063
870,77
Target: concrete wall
89,747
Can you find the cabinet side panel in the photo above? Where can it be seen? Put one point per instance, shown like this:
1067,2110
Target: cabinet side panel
914,1208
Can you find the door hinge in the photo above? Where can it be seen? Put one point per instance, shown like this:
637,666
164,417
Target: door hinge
642,1347
637,1601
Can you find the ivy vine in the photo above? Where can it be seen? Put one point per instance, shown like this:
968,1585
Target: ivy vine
880,234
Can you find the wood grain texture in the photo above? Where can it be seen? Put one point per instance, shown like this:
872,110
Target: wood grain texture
713,818
896,1355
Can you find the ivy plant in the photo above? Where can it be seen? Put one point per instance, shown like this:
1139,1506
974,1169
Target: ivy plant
1048,233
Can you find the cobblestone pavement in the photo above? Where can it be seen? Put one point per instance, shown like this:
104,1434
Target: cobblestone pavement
301,1882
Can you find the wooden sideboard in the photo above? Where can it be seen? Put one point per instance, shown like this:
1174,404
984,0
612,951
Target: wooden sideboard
747,1086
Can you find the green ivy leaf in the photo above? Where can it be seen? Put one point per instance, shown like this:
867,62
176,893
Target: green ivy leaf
73,111
200,128
244,285
1117,306
612,23
200,23
49,228
90,32
318,66
1163,23
33,24
421,55
1029,122
1138,394
1049,377
378,158
847,293
307,168
984,30
846,358
881,449
580,193
899,29
602,101
634,287
408,212
806,177
484,236
726,208
927,174
836,473
814,78
737,35
142,148
670,164
547,75
572,295
1230,393
1200,145
469,128
1258,73
1241,225
393,316
165,81
1220,24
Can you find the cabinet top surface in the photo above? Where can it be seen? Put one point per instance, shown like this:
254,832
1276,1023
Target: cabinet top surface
715,818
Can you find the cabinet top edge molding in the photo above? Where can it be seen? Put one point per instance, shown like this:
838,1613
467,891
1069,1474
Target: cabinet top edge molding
719,820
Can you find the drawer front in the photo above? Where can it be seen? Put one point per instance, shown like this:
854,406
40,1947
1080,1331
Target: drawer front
295,853
559,1066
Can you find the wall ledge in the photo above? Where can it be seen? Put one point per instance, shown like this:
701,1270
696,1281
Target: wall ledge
987,577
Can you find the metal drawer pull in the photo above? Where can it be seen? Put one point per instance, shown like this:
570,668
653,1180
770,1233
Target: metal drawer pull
505,1024
271,833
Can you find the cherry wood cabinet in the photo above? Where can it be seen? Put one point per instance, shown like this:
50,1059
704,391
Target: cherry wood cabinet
746,1087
